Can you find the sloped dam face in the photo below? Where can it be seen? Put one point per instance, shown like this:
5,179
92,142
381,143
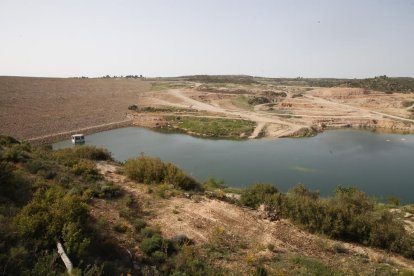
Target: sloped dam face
379,164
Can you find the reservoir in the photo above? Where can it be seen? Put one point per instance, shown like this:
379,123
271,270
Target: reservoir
381,165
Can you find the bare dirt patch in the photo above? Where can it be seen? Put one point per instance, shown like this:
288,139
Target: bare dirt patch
32,107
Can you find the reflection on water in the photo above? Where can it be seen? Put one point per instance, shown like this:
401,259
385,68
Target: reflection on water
379,164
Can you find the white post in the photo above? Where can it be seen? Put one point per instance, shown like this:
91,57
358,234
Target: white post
64,257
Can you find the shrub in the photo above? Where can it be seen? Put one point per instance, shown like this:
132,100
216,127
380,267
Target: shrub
92,153
190,262
16,152
139,224
150,170
393,200
86,169
159,256
212,184
176,177
144,169
310,266
260,271
106,190
7,140
256,100
14,186
133,107
6,170
348,215
270,247
50,212
257,194
152,244
33,166
71,156
120,227
47,174
339,248
148,232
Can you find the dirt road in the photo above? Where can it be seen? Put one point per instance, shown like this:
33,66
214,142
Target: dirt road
299,114
368,113
260,118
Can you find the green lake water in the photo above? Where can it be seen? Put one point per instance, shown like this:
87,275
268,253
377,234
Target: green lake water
379,164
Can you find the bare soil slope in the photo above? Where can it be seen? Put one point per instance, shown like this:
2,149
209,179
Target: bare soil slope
32,107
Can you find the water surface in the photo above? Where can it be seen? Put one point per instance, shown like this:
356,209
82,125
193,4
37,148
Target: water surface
379,164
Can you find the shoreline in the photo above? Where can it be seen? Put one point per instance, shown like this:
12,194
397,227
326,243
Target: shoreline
156,122
56,137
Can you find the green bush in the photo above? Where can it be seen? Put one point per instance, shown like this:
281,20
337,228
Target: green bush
148,232
260,271
120,227
16,152
308,266
144,169
7,140
150,170
47,174
14,185
33,166
213,184
190,262
47,217
71,156
152,244
393,200
257,194
159,256
86,169
92,153
106,190
139,224
349,215
6,170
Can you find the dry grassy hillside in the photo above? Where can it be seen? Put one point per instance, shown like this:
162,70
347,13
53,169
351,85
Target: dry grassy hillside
31,107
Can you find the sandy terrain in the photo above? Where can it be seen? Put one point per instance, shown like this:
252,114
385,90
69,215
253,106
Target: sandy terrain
200,218
33,107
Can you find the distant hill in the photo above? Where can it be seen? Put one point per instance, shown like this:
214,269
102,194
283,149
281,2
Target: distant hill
380,83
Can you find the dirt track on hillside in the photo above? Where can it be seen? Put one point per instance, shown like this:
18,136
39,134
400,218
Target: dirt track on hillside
33,107
293,115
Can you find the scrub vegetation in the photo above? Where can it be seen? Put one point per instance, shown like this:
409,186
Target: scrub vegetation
349,215
62,196
213,127
378,83
150,170
47,196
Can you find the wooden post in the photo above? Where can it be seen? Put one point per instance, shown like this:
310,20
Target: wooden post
64,257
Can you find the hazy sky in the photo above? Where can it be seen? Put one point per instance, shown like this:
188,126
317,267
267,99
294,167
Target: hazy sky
361,38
